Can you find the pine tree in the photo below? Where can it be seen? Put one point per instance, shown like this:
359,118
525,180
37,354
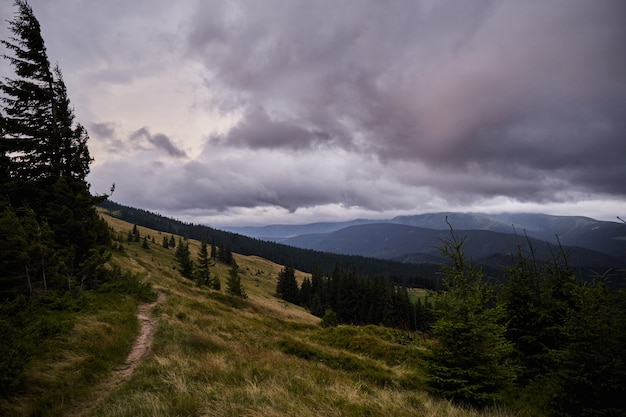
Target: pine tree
319,301
224,254
41,267
71,156
166,243
306,293
216,283
183,258
233,284
38,122
287,286
569,338
144,244
44,155
469,363
592,357
203,275
29,104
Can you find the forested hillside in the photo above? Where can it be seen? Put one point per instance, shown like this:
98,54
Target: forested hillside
420,275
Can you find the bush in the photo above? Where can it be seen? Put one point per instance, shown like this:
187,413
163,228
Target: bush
120,282
330,319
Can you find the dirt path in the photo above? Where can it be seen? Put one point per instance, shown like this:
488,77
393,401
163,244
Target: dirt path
140,349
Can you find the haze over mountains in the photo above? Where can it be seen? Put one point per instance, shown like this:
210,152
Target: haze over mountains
490,238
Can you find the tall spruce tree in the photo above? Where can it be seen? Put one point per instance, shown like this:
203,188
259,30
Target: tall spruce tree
39,134
29,107
44,154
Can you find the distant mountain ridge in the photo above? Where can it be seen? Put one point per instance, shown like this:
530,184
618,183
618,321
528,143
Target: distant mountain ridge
490,237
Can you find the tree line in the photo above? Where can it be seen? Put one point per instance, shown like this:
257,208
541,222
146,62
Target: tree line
199,271
346,297
404,274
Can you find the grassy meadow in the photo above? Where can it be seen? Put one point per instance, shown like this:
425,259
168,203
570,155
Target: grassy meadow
217,355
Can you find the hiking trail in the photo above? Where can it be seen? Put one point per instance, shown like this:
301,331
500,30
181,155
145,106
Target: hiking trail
138,352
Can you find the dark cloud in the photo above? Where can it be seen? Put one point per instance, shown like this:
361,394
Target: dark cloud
160,141
257,130
529,93
103,130
352,105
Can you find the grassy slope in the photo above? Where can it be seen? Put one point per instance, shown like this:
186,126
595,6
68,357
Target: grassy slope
215,355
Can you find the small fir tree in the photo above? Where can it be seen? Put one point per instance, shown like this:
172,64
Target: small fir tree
233,284
216,283
470,361
203,275
183,258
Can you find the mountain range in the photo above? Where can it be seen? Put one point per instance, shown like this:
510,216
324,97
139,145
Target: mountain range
489,238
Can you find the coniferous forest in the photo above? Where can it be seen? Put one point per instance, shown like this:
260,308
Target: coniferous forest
536,339
53,243
403,274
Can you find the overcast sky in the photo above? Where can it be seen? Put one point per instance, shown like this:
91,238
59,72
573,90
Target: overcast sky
293,111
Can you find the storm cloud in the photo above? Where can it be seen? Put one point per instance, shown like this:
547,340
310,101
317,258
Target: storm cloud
159,140
357,106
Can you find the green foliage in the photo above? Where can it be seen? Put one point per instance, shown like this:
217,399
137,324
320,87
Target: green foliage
13,252
216,283
203,275
183,258
287,286
233,283
470,361
356,300
30,326
121,282
224,254
592,358
330,319
568,336
364,368
44,160
376,342
40,140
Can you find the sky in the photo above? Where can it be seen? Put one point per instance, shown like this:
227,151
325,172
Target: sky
238,112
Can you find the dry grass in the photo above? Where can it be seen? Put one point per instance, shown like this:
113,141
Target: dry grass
215,355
